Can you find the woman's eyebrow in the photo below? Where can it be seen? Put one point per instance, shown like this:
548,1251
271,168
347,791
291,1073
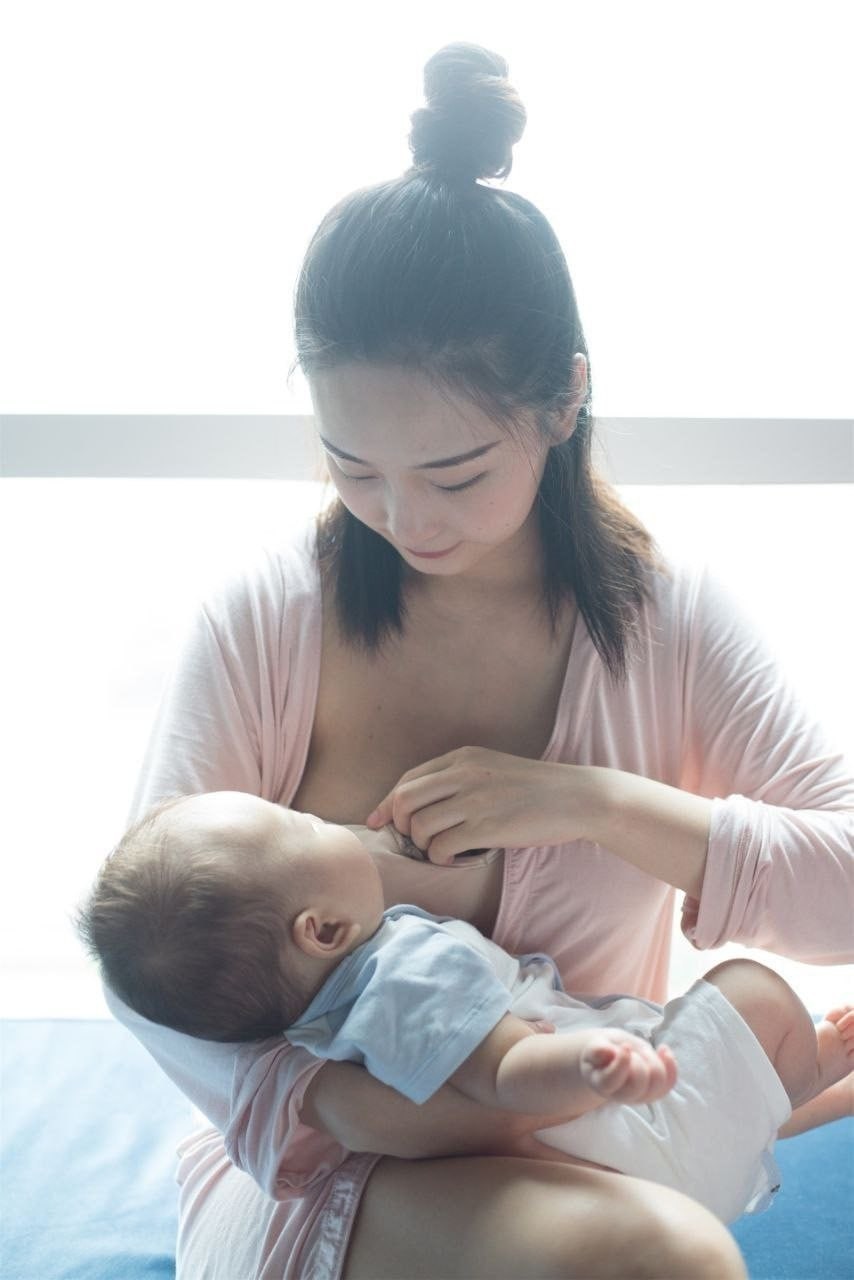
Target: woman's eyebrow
422,466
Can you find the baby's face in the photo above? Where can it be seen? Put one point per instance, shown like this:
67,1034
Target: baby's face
290,850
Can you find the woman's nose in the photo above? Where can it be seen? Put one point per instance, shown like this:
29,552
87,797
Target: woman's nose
410,521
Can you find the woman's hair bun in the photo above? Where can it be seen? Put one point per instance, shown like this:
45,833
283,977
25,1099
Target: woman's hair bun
472,119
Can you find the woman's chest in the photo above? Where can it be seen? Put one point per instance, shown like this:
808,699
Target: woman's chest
377,716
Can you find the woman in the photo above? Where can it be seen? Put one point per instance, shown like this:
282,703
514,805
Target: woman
481,645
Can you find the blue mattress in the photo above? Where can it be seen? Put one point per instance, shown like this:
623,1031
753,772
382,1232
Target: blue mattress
90,1125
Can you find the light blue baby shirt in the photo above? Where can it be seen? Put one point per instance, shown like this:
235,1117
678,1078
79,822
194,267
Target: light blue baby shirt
412,1002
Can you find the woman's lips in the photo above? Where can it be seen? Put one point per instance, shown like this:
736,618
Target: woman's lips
432,555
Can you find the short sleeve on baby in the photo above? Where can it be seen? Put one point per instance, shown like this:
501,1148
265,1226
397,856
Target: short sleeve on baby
411,1005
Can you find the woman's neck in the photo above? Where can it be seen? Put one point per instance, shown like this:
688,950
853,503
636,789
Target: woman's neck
510,578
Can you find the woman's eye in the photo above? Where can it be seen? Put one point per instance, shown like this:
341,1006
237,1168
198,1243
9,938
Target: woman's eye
456,488
346,474
445,488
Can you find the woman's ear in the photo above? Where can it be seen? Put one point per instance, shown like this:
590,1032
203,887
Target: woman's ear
324,937
579,376
562,430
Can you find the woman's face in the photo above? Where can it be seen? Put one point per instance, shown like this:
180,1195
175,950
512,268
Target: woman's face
437,479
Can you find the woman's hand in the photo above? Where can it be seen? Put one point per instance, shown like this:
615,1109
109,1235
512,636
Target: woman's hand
474,798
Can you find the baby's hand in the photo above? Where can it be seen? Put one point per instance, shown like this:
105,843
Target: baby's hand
623,1068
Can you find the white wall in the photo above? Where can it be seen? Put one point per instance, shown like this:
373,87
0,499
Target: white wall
166,163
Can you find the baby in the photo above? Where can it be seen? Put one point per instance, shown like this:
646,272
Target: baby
227,917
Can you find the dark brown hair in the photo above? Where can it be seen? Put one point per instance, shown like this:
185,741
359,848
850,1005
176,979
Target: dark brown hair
467,285
188,940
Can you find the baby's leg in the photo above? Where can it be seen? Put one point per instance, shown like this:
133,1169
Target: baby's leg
835,1103
808,1059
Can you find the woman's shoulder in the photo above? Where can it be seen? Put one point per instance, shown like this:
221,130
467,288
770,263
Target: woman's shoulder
694,617
686,592
673,587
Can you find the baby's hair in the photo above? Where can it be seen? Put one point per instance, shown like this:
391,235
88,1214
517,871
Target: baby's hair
188,937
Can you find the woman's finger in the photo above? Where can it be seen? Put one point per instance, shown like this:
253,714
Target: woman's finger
454,838
381,816
396,805
385,811
437,814
407,797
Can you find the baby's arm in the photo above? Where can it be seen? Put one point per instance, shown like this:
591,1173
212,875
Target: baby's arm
569,1073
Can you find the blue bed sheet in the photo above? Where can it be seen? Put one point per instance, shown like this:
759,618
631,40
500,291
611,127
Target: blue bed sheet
89,1130
808,1234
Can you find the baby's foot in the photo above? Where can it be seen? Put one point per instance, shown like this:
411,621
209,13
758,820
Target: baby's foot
835,1035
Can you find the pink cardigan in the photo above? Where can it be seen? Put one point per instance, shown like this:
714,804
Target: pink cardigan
705,708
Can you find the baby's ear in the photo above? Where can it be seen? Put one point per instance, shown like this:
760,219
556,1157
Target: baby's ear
322,936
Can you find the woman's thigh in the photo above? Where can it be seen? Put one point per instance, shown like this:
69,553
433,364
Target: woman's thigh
485,1218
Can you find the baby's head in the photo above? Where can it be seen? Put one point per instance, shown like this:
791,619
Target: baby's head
221,914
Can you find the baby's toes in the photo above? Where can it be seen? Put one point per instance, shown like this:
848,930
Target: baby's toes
843,1019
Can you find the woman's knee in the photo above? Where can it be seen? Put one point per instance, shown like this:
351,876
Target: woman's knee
694,1243
480,1217
642,1231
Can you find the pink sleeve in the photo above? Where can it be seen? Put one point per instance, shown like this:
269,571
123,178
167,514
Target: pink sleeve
780,867
220,726
222,701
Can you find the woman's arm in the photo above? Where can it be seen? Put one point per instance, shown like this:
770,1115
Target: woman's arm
252,1093
759,833
779,869
343,1100
659,829
225,721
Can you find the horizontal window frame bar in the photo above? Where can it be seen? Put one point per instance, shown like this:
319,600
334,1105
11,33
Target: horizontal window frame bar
648,451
